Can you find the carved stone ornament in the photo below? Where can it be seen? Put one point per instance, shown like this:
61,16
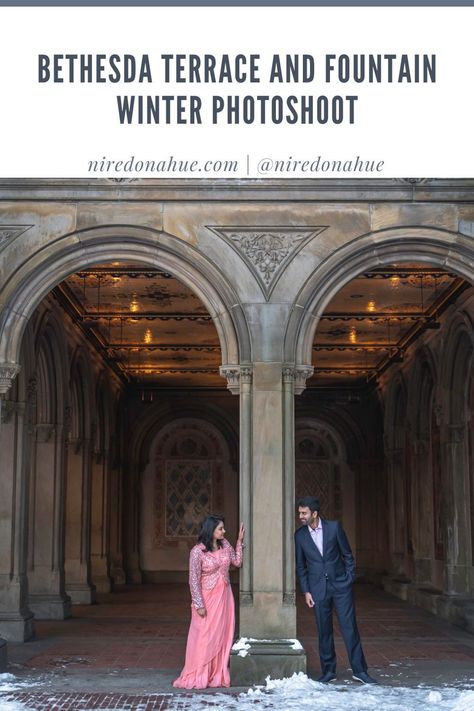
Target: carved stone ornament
412,181
8,373
297,375
122,181
232,374
10,232
302,373
267,250
288,372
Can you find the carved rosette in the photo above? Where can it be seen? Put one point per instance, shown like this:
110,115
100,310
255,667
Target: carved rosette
298,375
236,374
8,373
267,250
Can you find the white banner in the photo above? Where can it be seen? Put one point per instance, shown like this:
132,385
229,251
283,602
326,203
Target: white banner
236,92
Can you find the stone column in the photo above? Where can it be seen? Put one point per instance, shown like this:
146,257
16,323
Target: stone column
456,511
47,594
423,510
78,509
100,486
267,609
397,513
16,620
294,381
117,572
133,571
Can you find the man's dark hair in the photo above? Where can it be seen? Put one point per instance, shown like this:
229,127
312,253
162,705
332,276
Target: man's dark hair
310,502
208,527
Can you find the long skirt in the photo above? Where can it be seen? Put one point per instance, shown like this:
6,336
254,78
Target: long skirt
209,641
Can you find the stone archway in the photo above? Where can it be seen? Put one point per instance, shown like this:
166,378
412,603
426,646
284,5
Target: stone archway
214,435
322,470
189,475
35,276
426,245
429,442
41,271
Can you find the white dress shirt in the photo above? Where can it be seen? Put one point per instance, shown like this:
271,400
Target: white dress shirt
317,536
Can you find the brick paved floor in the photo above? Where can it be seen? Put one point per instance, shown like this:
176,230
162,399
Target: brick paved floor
124,652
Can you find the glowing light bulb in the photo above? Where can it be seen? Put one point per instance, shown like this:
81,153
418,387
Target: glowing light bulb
371,306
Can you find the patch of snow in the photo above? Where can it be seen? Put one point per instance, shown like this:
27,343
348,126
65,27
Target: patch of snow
299,693
241,643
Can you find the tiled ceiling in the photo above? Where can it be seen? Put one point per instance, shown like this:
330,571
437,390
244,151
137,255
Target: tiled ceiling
154,331
152,328
372,320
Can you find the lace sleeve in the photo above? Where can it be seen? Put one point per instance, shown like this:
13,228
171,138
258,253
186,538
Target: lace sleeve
234,555
195,577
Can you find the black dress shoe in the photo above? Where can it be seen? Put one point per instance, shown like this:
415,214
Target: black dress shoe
364,678
326,678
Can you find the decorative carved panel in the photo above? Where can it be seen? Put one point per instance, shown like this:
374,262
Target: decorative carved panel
267,251
10,232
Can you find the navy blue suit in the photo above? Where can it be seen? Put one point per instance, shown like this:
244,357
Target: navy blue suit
329,578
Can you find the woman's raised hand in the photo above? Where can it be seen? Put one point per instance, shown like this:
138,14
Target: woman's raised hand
240,538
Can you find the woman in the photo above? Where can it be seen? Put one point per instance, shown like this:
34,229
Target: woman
212,611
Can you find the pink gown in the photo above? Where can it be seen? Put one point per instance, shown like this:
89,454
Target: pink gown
210,638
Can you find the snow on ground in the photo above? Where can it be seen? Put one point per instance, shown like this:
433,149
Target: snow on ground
9,682
302,694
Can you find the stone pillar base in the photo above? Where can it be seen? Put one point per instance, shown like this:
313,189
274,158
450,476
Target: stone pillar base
398,587
81,594
457,609
275,658
3,654
50,607
118,576
102,584
17,628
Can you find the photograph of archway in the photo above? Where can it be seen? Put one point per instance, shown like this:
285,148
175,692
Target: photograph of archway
172,348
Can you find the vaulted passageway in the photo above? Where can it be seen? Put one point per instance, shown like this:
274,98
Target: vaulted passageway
339,312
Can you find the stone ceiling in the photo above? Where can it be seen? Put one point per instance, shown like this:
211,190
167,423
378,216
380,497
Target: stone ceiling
154,331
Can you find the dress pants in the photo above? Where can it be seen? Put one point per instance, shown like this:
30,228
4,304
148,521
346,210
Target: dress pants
343,601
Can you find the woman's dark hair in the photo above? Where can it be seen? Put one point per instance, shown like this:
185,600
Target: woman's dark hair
208,527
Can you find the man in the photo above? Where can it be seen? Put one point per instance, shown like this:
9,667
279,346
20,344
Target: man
326,571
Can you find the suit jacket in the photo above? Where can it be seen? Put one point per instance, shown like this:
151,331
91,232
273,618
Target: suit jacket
336,564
